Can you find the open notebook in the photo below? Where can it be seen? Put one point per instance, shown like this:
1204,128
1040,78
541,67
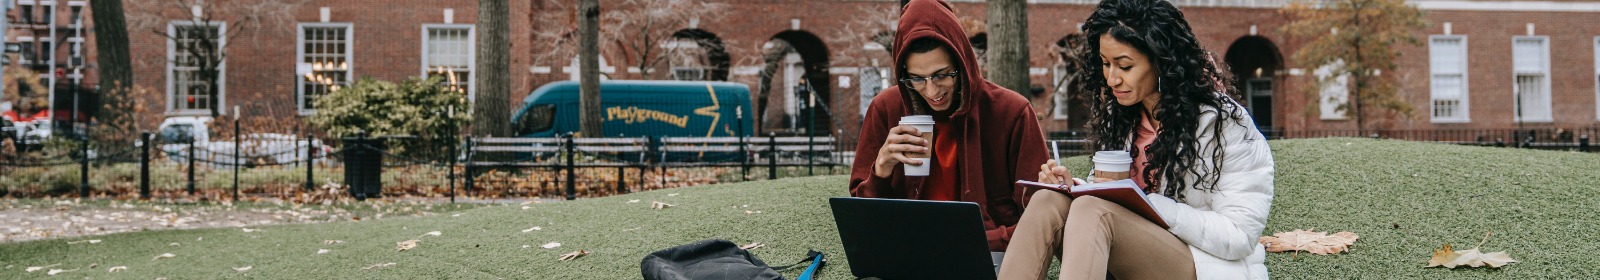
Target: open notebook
1122,192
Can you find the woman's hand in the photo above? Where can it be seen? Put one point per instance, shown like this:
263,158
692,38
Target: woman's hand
1052,172
902,139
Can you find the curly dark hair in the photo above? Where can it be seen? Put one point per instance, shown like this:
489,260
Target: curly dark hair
1188,80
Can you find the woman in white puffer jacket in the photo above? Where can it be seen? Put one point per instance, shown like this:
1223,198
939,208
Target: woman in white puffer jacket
1208,171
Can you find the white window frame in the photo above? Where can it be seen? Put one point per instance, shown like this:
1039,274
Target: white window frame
675,50
172,68
1329,83
1465,112
870,92
1545,73
1062,110
300,57
472,54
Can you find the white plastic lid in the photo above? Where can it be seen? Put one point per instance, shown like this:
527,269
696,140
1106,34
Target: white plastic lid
917,119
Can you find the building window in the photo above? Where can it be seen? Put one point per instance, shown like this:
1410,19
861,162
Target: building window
1447,63
685,58
26,11
447,51
873,81
77,14
1060,94
323,51
1597,77
1335,90
186,87
1530,60
46,52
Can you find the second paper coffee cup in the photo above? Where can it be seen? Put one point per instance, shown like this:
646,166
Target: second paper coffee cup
924,125
1111,165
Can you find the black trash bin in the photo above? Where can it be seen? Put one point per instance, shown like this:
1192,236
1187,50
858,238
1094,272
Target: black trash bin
363,166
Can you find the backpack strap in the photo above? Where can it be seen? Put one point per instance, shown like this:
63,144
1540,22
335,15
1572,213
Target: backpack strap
817,260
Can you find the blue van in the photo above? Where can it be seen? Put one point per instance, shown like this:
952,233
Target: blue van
640,108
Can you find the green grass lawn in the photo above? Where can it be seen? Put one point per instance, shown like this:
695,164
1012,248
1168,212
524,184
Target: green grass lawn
1403,198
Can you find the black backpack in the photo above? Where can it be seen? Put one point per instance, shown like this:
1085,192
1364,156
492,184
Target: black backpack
716,259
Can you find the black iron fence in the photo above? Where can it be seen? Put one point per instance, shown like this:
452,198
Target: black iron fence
521,167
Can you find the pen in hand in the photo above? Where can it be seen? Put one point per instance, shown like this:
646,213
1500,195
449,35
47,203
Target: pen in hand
1055,152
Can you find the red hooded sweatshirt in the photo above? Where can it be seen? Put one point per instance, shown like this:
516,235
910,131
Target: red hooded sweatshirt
998,137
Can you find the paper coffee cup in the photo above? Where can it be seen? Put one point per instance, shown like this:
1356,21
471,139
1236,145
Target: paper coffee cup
924,125
1111,165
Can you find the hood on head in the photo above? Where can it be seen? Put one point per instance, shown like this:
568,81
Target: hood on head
934,19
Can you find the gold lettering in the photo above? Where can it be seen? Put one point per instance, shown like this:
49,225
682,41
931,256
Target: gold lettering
633,114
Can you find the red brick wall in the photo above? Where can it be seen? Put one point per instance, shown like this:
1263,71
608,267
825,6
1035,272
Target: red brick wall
387,46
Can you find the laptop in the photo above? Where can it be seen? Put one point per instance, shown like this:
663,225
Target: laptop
913,239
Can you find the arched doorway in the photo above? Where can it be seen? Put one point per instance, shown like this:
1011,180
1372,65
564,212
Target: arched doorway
1254,61
697,55
797,60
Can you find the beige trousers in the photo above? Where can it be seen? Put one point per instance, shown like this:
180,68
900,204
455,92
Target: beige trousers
1093,237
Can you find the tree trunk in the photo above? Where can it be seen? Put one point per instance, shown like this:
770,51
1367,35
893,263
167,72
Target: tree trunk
1008,44
589,67
491,110
116,70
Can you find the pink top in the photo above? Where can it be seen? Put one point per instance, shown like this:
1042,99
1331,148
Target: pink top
1141,143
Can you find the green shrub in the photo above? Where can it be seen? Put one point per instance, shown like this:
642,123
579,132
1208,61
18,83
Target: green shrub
415,107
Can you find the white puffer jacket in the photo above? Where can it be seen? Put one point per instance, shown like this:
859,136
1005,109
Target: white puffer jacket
1222,227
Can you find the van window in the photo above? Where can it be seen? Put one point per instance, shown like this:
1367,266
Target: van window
538,118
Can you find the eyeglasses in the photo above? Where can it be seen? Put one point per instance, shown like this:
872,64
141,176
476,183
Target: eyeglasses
915,81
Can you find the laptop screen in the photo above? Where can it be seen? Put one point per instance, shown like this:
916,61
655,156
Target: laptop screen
913,239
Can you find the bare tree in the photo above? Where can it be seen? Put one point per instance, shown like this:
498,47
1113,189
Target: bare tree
642,27
1008,44
873,26
634,29
491,112
200,42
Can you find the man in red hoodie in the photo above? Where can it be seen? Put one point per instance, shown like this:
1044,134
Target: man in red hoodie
985,137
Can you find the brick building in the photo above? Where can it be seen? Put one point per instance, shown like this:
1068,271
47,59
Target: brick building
1474,60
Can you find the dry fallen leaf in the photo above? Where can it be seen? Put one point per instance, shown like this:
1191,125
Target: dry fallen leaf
1448,258
433,233
1312,242
573,255
117,268
91,241
323,251
243,269
551,245
532,229
163,256
752,246
377,266
38,268
331,242
633,201
402,246
659,205
249,230
59,271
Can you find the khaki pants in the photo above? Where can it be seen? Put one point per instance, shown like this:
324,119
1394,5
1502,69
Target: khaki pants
1093,237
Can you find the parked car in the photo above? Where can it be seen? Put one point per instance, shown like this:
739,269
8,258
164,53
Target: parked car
175,134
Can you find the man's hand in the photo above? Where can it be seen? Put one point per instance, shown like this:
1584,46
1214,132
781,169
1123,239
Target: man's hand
902,139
